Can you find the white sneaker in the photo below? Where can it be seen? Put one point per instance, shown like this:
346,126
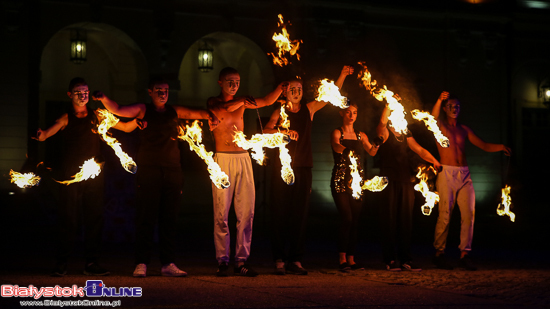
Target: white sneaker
171,270
140,271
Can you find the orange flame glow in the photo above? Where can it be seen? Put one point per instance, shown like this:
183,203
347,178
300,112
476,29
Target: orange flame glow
504,206
422,186
397,115
24,180
193,136
90,169
431,123
376,184
285,45
107,121
329,92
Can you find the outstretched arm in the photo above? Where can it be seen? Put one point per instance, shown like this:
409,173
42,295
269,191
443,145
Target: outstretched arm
488,147
423,153
382,128
437,107
60,124
128,111
314,106
369,148
128,126
268,99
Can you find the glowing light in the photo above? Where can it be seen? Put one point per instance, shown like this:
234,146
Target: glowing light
504,206
422,187
431,123
24,180
108,120
329,92
285,45
376,184
90,169
193,136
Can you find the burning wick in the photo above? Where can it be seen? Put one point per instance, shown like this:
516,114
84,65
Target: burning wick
422,187
193,136
109,120
329,92
285,45
90,169
274,140
431,123
376,184
24,180
504,207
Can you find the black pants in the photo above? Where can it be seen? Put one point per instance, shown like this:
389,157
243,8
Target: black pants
81,202
159,198
289,211
350,210
396,209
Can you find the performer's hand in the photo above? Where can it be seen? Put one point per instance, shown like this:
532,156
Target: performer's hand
347,70
140,123
293,135
507,150
437,166
213,121
98,95
397,97
39,135
250,102
284,87
443,96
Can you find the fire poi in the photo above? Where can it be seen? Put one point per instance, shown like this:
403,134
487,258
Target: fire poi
422,187
90,169
108,120
329,92
24,180
376,184
506,201
284,45
431,123
193,136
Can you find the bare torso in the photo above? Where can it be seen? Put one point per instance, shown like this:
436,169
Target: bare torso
229,123
455,154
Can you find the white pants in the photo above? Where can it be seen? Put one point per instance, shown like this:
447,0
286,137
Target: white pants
455,186
238,168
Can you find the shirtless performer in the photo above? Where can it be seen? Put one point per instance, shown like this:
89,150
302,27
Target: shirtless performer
235,162
454,183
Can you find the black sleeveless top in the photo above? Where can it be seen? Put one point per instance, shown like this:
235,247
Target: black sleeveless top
158,141
80,142
394,160
300,150
341,177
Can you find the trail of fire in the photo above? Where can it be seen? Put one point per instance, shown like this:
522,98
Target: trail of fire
274,140
422,187
24,180
285,45
193,136
397,115
107,121
90,169
431,123
329,92
506,201
375,184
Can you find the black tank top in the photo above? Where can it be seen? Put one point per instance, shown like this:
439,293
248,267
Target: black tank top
158,141
341,176
80,142
394,160
300,150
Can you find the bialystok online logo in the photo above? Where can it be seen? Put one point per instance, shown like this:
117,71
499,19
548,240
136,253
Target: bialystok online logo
93,288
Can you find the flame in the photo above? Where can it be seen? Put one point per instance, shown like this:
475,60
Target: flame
504,206
376,184
422,186
397,115
107,121
90,169
431,123
285,123
274,140
285,45
329,92
193,136
24,180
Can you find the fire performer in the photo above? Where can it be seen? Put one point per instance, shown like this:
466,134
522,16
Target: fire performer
236,163
290,204
344,140
396,215
159,176
80,143
454,183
